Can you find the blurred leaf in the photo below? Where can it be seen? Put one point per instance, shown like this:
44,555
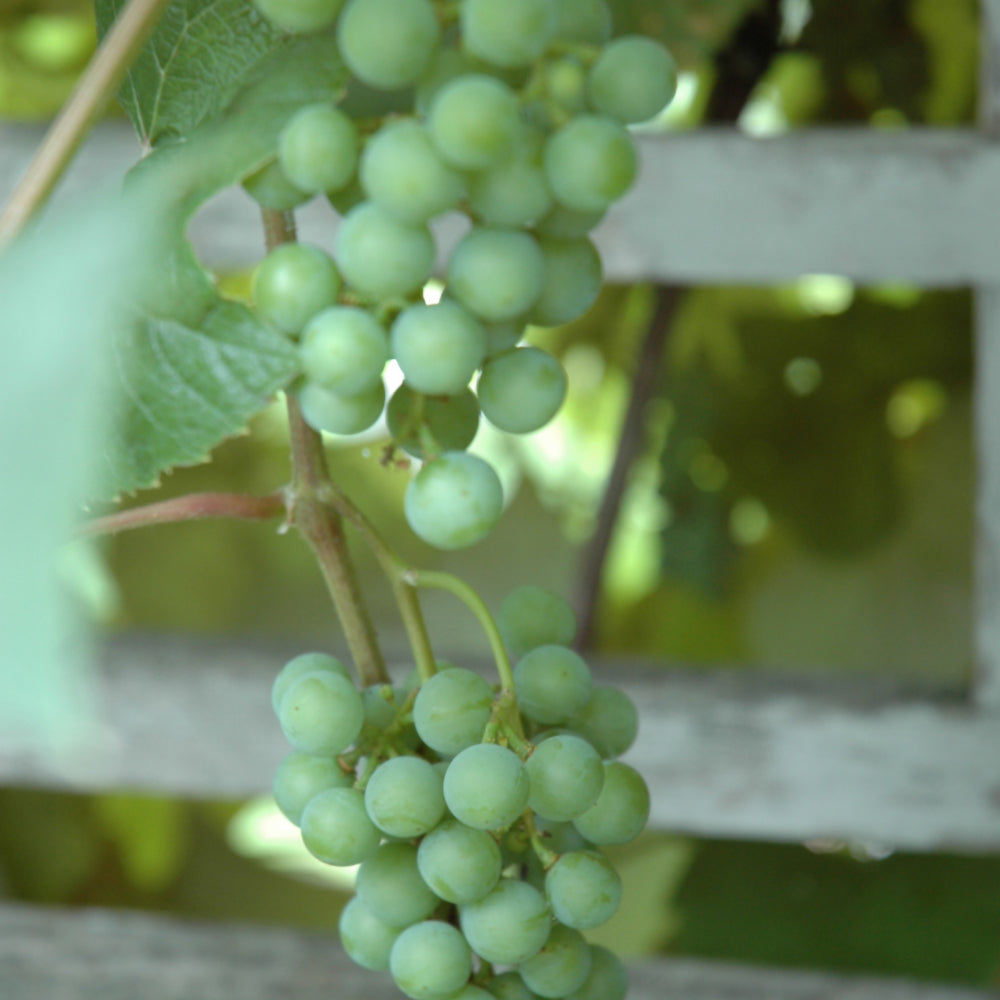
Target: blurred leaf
951,33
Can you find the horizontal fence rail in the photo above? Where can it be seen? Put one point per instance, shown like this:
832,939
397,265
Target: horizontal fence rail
727,753
52,954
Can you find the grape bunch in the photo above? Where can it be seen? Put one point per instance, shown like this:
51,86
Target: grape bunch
516,117
476,816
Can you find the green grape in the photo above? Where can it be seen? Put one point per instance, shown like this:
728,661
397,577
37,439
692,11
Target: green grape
318,148
381,256
564,223
321,713
336,828
508,926
566,84
381,704
404,797
472,992
501,337
366,939
387,43
451,711
446,64
532,616
459,863
552,684
560,837
621,810
607,979
609,721
403,173
345,198
437,347
507,32
561,966
496,273
453,501
521,390
474,121
344,349
590,162
270,188
430,960
390,885
583,889
511,193
324,410
587,21
573,278
633,79
566,776
486,787
510,986
293,283
452,421
304,663
300,16
300,776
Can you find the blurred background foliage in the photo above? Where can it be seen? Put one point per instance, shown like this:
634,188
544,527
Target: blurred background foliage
800,495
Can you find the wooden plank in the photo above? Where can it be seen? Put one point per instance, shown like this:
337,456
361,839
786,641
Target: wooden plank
726,753
53,954
711,206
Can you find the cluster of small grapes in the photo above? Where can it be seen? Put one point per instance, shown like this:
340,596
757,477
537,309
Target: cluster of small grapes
517,119
477,821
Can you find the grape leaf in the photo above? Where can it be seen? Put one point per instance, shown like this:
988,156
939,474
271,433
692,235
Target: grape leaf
192,368
193,64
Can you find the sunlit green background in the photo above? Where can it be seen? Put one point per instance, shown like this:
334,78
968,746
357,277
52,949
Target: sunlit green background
803,500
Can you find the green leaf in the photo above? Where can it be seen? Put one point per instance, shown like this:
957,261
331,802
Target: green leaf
193,64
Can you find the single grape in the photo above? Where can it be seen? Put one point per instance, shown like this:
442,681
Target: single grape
451,710
532,616
300,776
609,721
566,776
336,828
459,863
560,837
446,64
511,193
318,148
486,787
300,16
404,797
452,421
366,939
510,986
347,197
472,992
564,223
503,336
387,43
496,273
293,283
454,501
590,162
324,410
390,885
607,979
474,121
321,713
561,966
584,889
402,171
509,925
270,188
344,349
633,79
573,278
621,810
566,84
438,347
304,663
381,702
507,32
430,960
552,684
380,255
521,390
587,21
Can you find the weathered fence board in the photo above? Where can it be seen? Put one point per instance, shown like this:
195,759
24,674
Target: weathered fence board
51,954
728,753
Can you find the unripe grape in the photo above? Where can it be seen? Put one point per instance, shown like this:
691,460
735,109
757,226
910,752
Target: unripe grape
366,939
301,776
304,663
335,413
430,960
270,188
474,121
486,787
561,966
344,349
521,390
318,148
607,979
452,421
451,710
321,713
633,79
590,162
566,776
293,283
621,810
584,889
532,616
438,347
508,926
496,273
552,684
587,21
404,797
507,32
573,277
336,828
300,16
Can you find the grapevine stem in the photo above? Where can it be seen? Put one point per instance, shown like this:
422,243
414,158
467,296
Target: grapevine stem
95,88
188,508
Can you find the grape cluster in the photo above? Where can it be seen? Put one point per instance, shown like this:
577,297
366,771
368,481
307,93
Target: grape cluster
517,115
477,816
